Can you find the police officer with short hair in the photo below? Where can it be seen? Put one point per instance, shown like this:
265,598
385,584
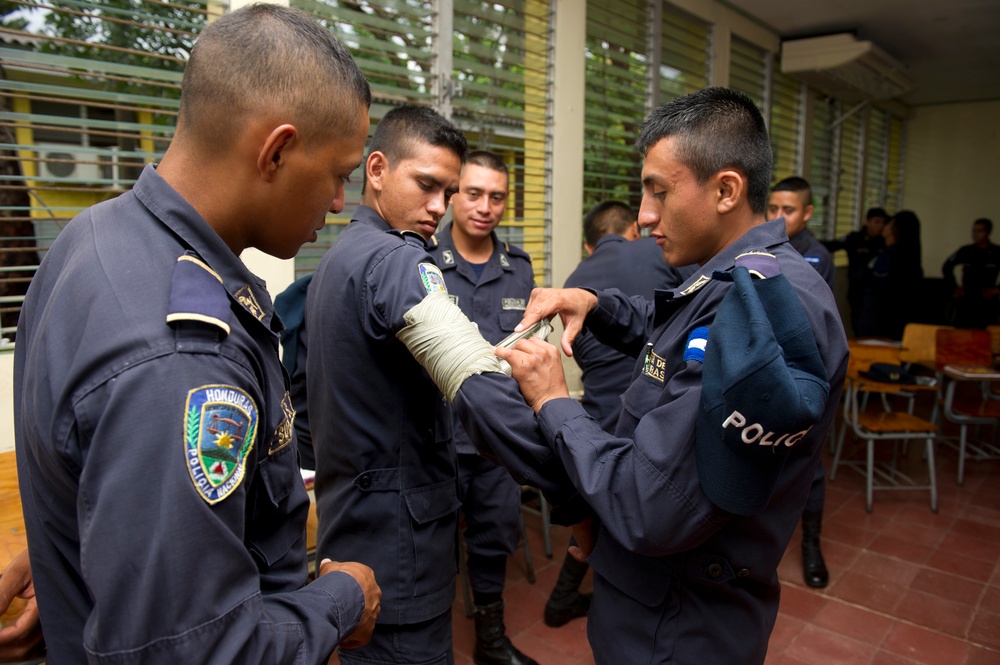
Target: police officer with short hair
491,282
696,494
386,486
164,509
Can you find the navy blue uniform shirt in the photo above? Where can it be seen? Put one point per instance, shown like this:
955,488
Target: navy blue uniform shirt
162,497
495,300
815,253
385,465
636,268
677,579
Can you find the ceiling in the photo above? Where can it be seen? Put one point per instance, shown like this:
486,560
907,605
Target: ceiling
951,48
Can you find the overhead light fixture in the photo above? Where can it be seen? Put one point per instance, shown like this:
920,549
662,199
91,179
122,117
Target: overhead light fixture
845,67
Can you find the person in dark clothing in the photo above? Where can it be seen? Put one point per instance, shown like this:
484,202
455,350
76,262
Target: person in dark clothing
146,364
974,302
490,282
792,199
861,247
616,258
893,281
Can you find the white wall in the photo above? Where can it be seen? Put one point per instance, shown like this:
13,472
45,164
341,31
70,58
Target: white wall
952,166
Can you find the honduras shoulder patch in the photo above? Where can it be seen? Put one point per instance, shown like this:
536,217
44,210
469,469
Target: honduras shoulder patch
220,423
695,347
432,278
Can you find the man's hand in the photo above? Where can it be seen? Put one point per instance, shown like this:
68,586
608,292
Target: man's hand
373,594
537,368
572,306
586,538
22,639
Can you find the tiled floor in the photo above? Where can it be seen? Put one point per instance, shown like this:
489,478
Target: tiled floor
907,586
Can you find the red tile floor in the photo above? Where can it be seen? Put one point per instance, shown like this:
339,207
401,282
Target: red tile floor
907,586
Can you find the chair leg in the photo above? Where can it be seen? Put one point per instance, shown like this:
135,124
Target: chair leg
961,454
529,567
870,482
546,525
931,472
838,448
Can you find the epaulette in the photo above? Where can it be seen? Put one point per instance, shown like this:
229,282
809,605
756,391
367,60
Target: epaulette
514,250
408,235
433,242
198,294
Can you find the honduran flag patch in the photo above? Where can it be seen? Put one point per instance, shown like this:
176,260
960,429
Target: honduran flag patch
695,347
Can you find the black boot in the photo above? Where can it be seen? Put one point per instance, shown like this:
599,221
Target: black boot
566,602
813,567
493,647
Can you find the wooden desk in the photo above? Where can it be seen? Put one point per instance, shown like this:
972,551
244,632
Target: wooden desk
12,538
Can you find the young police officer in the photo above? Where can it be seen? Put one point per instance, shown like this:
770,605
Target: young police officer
385,465
491,282
698,491
164,509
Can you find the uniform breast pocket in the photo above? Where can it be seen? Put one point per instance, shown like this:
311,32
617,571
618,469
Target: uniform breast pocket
433,511
279,499
642,396
509,318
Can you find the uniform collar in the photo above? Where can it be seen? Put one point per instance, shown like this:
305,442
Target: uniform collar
451,259
766,235
608,239
184,221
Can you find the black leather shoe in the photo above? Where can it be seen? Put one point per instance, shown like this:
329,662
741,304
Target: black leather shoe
813,567
493,647
560,611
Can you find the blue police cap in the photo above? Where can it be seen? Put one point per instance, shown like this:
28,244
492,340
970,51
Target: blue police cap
764,386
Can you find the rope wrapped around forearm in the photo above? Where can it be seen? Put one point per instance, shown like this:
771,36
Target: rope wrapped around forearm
446,343
450,347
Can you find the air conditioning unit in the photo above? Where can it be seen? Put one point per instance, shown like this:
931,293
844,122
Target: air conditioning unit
845,67
60,161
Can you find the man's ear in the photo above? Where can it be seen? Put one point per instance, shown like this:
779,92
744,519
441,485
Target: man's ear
375,168
732,188
271,154
808,212
589,248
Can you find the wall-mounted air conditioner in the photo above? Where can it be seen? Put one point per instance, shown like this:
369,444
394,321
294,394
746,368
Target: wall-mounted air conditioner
845,67
58,161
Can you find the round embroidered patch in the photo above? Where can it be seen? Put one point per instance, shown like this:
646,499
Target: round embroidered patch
220,423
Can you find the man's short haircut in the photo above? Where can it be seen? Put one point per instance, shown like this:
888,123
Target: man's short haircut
401,131
717,129
797,185
269,61
876,212
488,160
605,218
985,222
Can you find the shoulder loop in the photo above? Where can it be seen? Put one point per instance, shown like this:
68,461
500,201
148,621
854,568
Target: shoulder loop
198,294
408,236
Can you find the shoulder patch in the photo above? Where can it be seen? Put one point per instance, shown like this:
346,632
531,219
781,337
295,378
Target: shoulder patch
220,423
431,277
695,347
198,294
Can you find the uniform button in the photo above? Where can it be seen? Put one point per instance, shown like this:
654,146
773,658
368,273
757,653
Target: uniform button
365,481
714,570
743,572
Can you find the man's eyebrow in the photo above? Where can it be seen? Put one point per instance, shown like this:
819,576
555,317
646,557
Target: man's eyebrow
651,179
427,176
